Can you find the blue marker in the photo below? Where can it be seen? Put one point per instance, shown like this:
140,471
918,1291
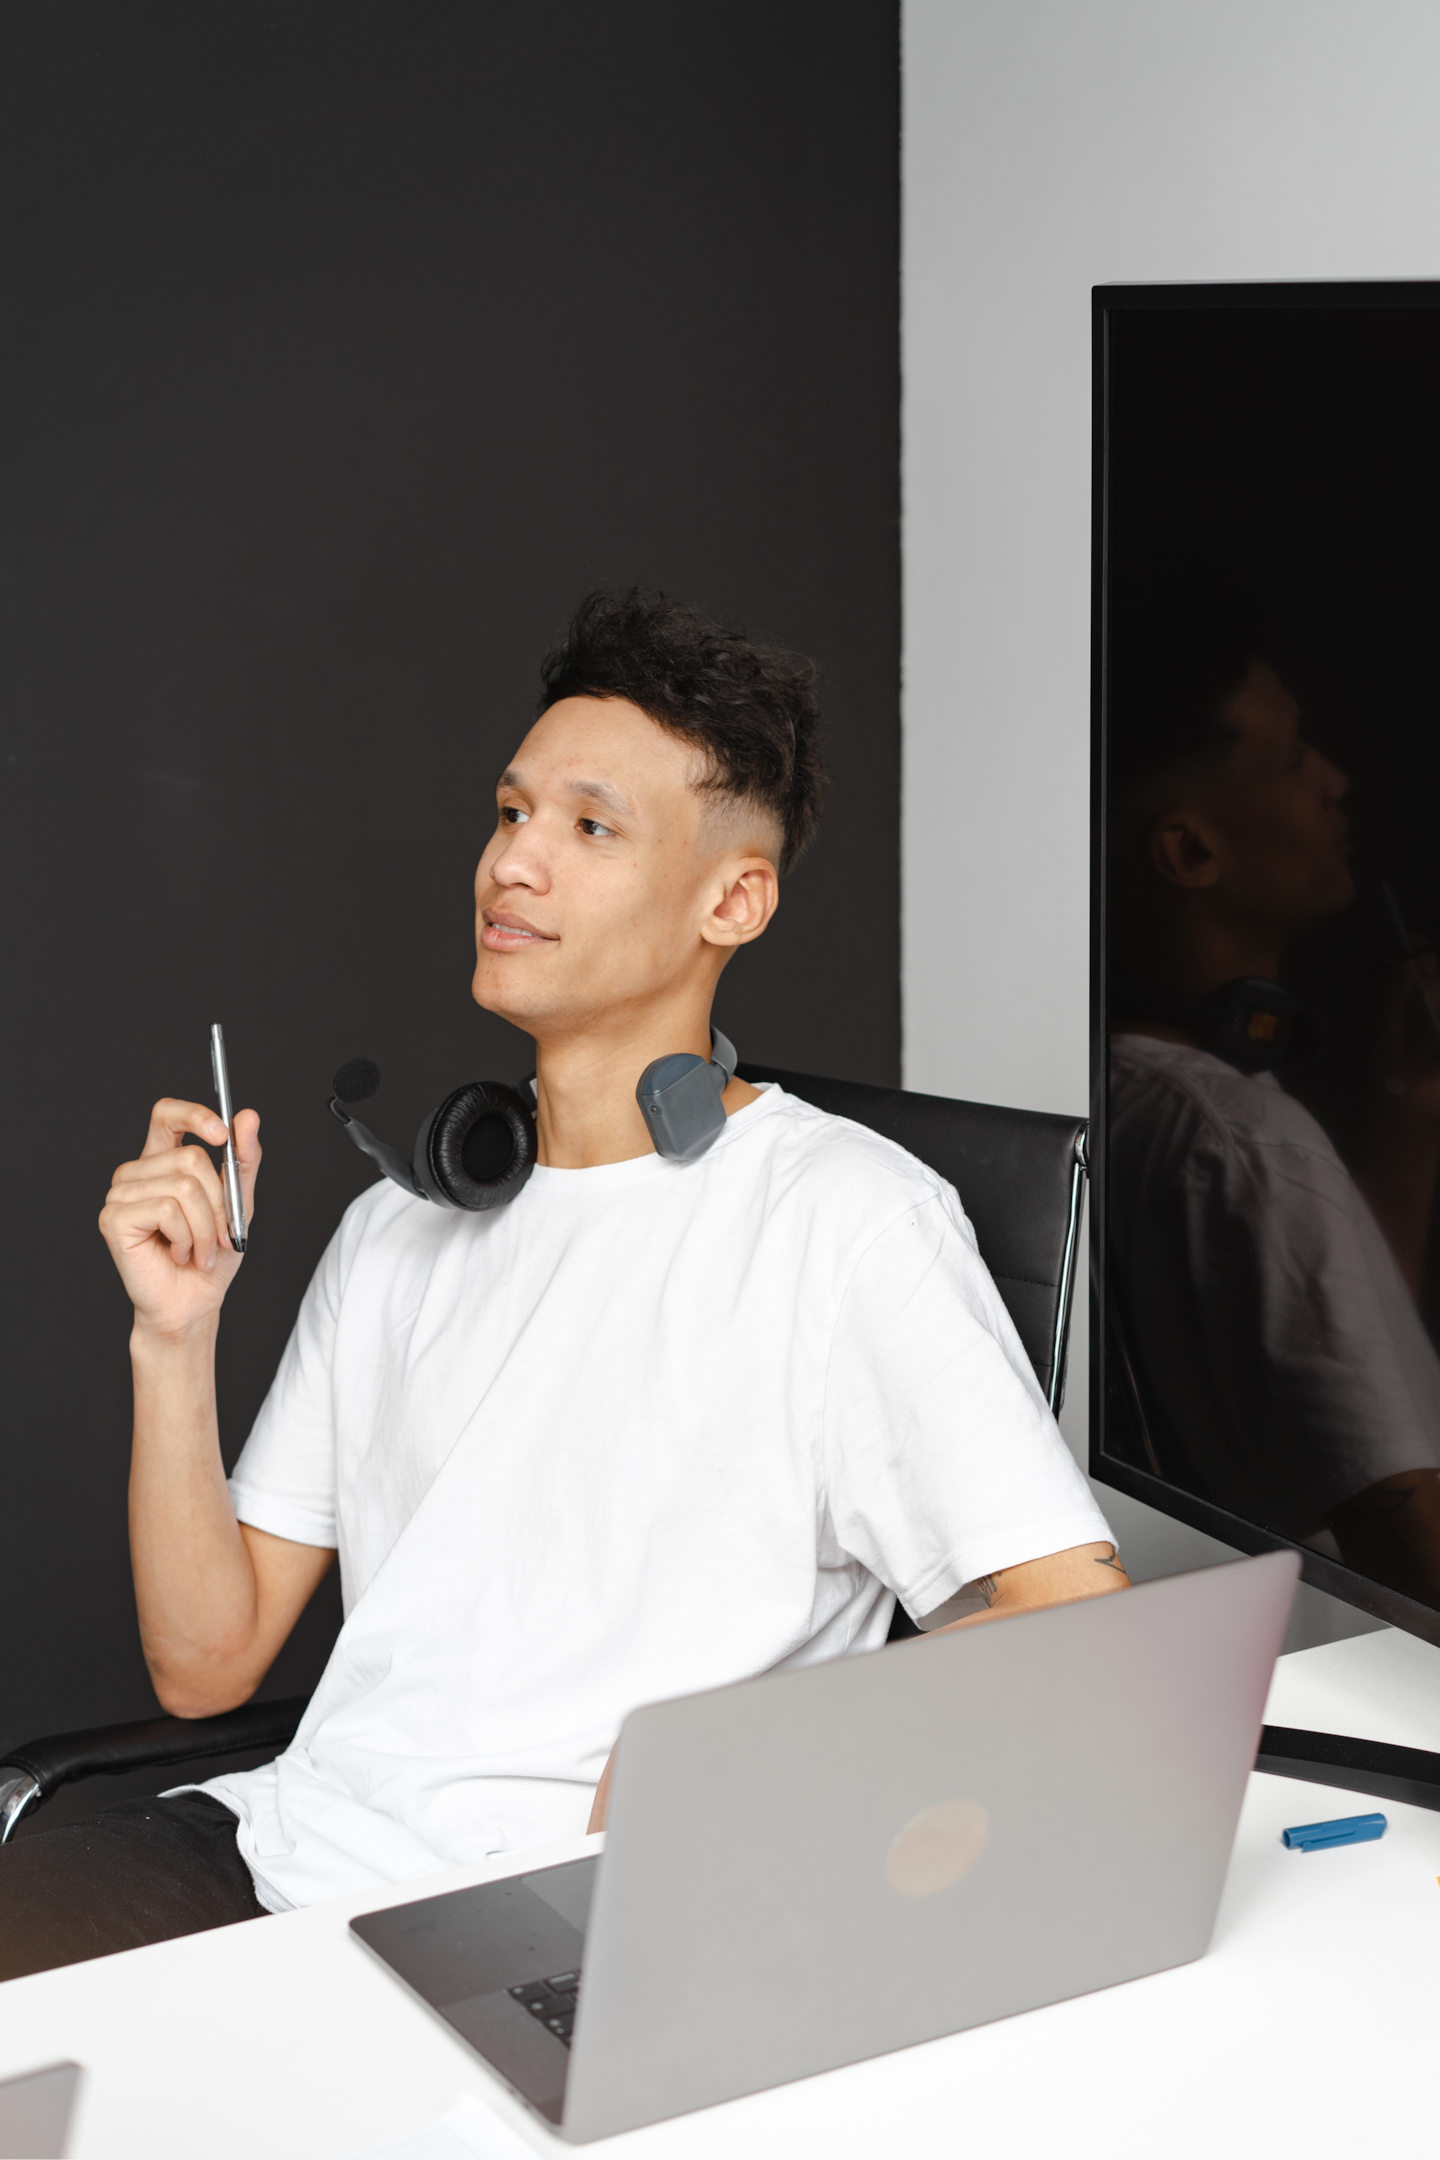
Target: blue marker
1345,1830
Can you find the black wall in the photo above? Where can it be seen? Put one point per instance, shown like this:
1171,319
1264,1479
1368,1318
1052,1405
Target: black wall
344,346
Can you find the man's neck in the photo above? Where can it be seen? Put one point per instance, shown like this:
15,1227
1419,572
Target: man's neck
586,1113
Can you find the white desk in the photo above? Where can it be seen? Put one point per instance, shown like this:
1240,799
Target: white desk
1311,2028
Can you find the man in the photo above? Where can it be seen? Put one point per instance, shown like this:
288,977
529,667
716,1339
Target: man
1270,1296
651,1427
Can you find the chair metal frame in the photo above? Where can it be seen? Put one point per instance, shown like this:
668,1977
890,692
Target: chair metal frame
1060,1354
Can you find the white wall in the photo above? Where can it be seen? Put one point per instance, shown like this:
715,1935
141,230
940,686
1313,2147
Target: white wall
1051,145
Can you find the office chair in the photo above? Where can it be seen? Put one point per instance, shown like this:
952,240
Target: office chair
1021,1177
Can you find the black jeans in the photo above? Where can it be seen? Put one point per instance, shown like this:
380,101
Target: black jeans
141,1872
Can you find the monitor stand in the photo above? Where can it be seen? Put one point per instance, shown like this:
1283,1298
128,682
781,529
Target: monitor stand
1365,1766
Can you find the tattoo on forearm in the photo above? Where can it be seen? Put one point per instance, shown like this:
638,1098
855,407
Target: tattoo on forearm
1110,1560
987,1586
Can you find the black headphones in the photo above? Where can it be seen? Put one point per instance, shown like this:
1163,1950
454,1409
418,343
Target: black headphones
1251,1023
478,1148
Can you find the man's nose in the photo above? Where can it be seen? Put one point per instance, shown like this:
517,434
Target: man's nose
519,859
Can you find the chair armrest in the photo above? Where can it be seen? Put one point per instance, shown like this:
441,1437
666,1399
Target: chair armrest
149,1744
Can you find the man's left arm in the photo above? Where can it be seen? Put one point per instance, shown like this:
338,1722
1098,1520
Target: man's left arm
1083,1571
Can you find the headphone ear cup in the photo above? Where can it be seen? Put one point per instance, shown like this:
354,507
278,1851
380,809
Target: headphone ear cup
477,1150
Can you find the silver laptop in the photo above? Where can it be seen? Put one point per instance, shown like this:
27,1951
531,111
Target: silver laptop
35,2112
818,1866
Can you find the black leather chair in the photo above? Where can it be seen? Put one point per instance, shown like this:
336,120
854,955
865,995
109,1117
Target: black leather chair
1021,1177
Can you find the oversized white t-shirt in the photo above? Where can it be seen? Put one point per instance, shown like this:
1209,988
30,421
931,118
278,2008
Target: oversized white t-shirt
650,1428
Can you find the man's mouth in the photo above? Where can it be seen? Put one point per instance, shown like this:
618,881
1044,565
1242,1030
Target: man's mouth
504,932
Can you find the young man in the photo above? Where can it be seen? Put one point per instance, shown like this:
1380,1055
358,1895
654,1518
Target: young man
1269,1294
651,1427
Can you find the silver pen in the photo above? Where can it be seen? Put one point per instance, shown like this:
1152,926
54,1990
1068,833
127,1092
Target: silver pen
234,1196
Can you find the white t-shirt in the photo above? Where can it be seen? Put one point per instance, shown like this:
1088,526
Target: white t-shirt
650,1428
1281,1351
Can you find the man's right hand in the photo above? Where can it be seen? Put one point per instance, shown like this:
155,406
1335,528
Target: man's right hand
164,1218
215,1597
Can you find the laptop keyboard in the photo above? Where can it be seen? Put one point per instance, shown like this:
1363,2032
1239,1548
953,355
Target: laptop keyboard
552,2002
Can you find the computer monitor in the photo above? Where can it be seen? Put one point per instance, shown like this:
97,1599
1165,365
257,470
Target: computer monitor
1265,1129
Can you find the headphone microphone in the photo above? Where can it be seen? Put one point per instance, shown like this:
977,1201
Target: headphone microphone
477,1149
357,1081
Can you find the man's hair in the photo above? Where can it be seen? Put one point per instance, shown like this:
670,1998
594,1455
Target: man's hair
1181,642
750,710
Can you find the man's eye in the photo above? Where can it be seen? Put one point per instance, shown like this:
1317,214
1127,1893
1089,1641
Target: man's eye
513,815
594,830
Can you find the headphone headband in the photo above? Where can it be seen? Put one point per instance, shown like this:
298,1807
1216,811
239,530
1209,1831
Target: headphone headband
479,1147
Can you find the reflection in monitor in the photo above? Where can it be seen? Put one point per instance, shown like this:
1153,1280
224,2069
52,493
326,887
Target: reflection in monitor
1266,1113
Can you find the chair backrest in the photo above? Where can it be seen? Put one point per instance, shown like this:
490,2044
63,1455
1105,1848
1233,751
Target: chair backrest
1020,1175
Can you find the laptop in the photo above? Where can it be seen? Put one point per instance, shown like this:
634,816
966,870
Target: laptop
35,2112
821,1865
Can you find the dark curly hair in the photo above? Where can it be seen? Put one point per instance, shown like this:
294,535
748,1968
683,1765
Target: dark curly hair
751,709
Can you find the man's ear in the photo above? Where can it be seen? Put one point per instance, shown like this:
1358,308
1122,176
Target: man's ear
1183,850
747,897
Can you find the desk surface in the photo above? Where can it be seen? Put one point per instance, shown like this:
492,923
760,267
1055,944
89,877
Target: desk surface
1310,2027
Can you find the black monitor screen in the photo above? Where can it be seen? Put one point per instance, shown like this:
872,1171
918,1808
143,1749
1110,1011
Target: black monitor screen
1266,1121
